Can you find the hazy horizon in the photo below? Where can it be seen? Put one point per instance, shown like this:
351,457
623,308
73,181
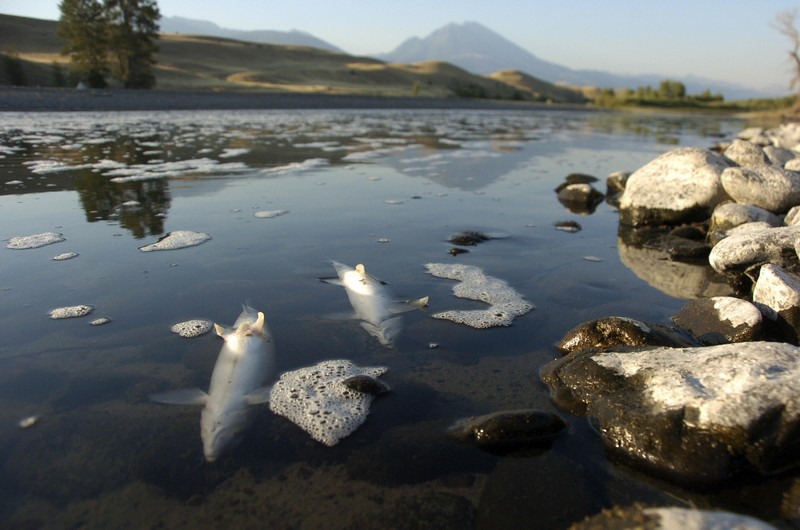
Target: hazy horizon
714,39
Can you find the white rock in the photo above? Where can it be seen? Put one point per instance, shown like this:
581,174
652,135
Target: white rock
680,185
728,385
772,188
317,401
730,214
64,256
745,153
742,251
777,289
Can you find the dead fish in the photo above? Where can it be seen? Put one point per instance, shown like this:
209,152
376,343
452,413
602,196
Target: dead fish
373,303
244,365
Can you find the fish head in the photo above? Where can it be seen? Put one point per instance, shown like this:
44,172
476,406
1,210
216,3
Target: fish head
245,328
221,432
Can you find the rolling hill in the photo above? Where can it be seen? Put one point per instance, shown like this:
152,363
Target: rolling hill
195,62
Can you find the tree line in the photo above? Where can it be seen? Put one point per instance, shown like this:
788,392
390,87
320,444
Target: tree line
114,38
667,93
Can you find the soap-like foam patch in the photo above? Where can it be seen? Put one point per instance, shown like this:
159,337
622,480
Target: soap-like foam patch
177,240
192,328
64,256
317,401
268,214
74,311
34,241
505,303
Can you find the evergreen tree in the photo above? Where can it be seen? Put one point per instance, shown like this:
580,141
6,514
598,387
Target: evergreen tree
133,32
83,26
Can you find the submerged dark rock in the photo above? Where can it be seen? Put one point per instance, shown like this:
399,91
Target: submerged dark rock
693,415
508,431
568,226
366,384
612,332
468,238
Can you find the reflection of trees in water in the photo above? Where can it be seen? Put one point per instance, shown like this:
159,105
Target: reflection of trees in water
102,200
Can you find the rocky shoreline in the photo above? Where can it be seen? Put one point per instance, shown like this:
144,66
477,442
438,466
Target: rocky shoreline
44,99
715,396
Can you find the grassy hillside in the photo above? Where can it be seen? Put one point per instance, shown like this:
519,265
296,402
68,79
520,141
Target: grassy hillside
31,52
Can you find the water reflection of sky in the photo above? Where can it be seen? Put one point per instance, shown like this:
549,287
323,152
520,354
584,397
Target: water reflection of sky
385,189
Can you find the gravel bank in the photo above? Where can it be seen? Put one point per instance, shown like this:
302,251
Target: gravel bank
24,99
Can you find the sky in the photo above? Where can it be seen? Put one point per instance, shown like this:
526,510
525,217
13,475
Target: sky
718,39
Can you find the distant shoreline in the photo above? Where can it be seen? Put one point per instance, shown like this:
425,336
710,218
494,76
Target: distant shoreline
45,99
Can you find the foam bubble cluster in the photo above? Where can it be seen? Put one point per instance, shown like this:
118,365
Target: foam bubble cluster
34,241
505,303
192,328
71,311
177,240
317,400
268,214
64,256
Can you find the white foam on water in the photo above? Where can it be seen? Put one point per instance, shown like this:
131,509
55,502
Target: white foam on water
74,311
232,152
268,214
34,241
64,256
294,167
505,303
317,401
176,240
192,328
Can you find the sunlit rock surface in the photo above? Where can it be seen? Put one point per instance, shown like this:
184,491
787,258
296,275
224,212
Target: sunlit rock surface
768,187
695,415
682,185
731,214
720,319
743,251
777,292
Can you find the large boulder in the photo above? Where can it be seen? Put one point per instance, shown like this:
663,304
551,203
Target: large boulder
769,187
695,415
669,518
679,186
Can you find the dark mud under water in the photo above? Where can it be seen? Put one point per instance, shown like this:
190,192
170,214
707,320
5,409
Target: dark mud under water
386,188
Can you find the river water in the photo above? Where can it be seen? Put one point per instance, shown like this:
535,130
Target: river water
382,188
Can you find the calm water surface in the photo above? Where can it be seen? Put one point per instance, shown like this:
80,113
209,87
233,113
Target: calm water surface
383,188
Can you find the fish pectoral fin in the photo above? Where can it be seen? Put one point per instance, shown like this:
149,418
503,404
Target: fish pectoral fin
222,331
408,305
333,281
258,396
184,396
